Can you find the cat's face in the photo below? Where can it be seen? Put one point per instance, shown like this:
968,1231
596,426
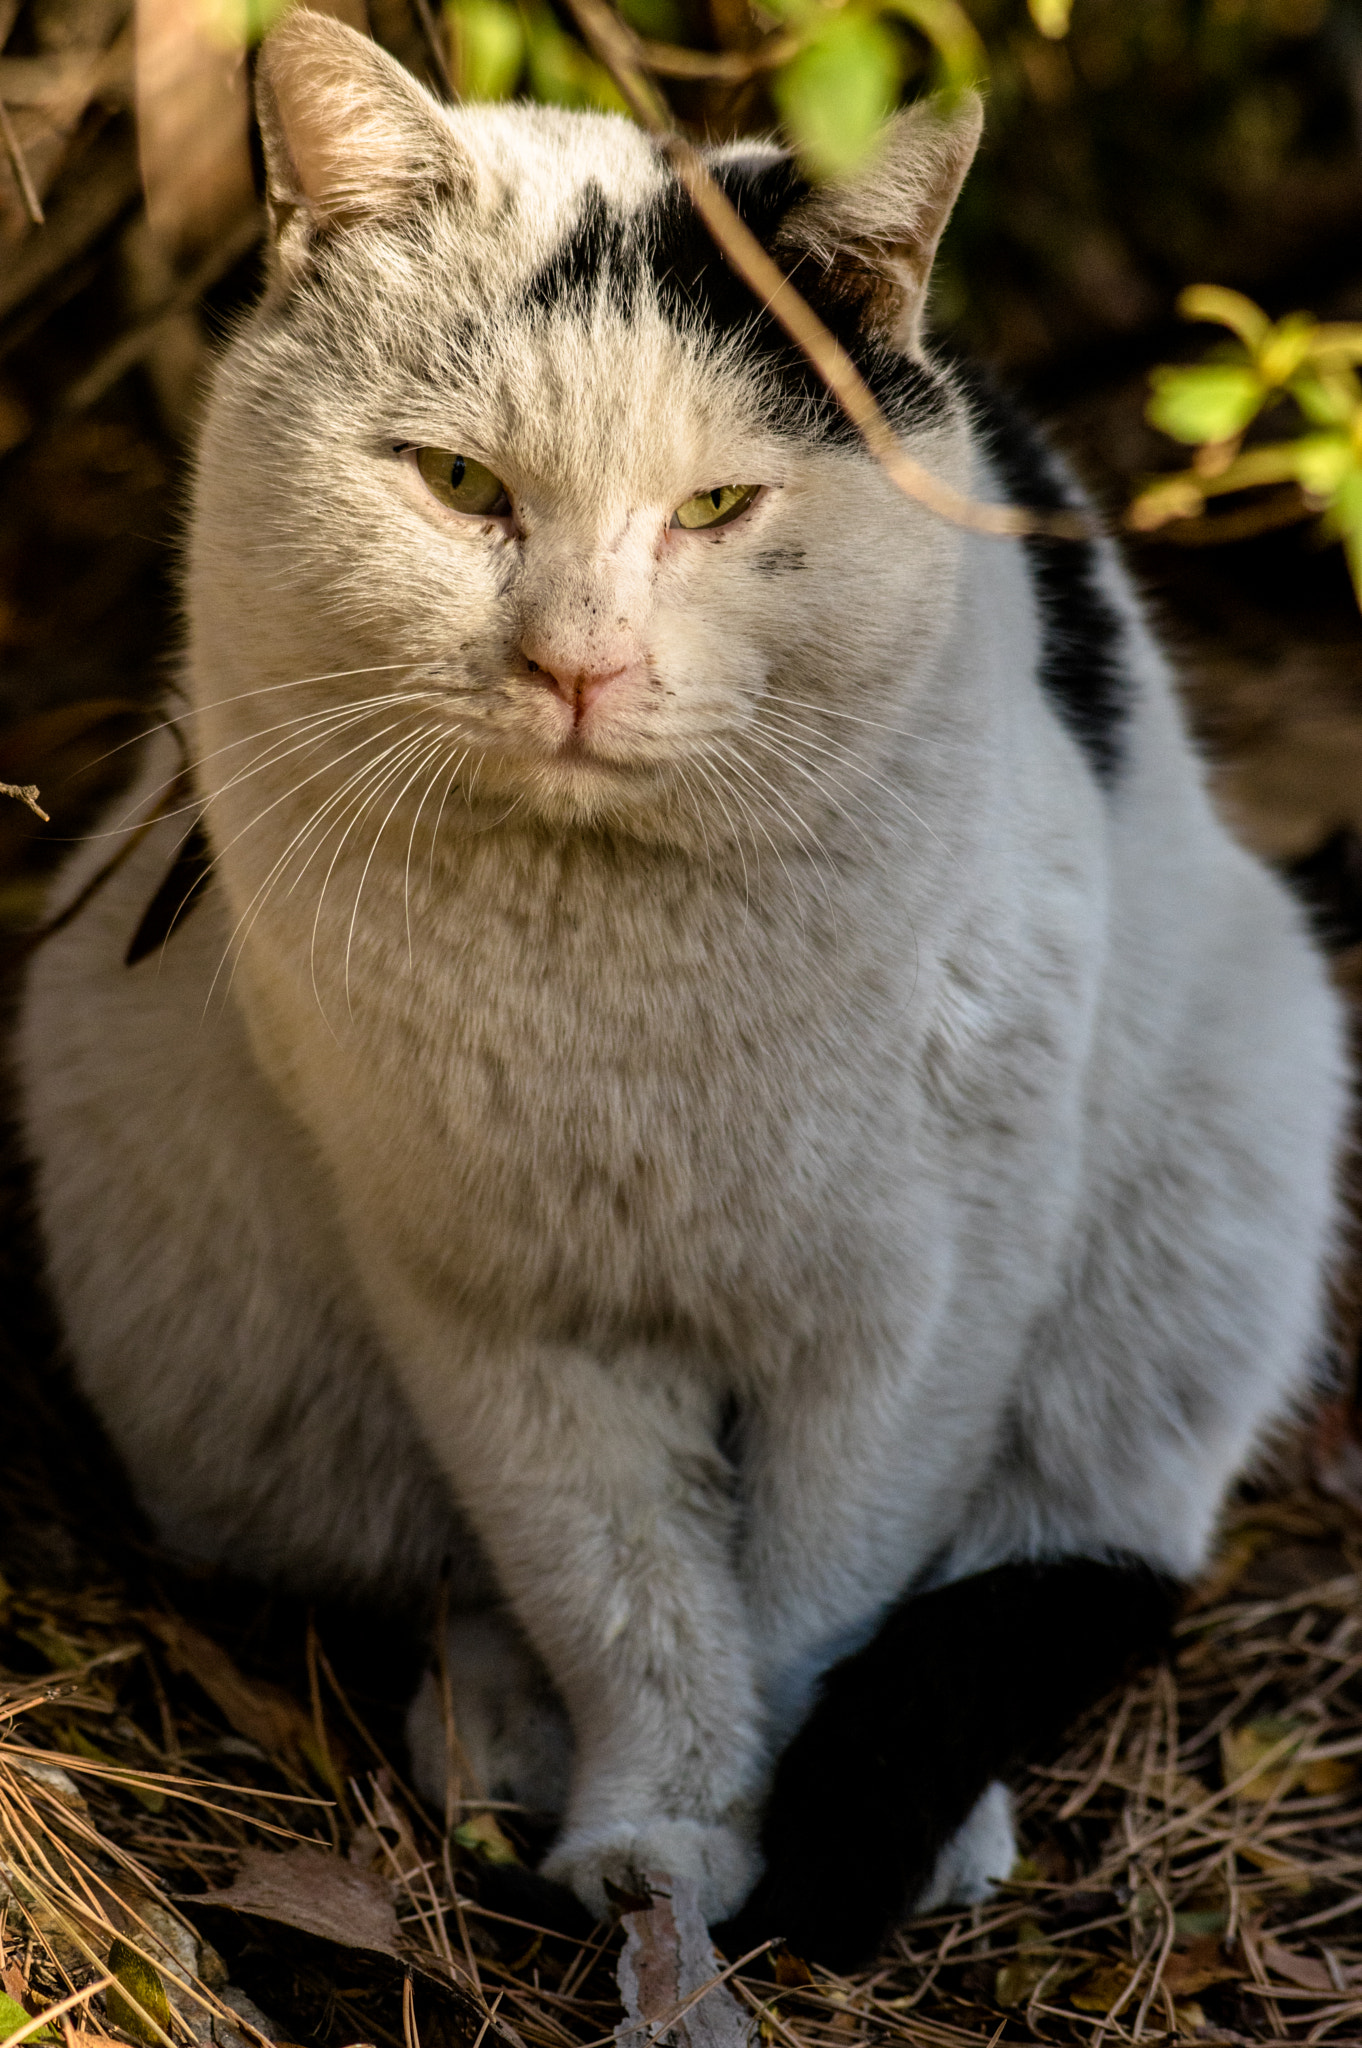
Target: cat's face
508,425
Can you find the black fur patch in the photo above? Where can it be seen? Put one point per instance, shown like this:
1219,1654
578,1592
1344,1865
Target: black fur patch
779,562
1329,883
666,253
958,1685
1081,655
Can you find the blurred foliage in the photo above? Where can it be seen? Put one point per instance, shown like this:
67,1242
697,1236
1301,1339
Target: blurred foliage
1300,362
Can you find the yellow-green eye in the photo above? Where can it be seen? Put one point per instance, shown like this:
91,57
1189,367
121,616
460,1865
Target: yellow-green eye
462,484
716,507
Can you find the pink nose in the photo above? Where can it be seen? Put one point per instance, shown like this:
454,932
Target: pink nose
578,687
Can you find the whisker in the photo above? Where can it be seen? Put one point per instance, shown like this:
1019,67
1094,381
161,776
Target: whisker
753,776
215,703
850,761
257,901
444,798
786,752
327,726
286,797
433,747
379,777
699,816
921,739
411,842
700,769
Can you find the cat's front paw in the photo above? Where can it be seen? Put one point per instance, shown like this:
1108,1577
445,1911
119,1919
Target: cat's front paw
719,1859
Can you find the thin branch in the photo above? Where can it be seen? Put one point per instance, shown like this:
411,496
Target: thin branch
727,67
32,204
26,793
626,59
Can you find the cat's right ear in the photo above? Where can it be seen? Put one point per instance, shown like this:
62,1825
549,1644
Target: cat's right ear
348,135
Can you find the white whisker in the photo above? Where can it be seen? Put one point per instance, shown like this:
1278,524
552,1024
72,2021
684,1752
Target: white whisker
380,773
433,747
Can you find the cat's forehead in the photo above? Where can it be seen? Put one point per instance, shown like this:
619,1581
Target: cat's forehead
537,167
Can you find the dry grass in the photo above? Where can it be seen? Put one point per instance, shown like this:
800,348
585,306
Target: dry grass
1191,1871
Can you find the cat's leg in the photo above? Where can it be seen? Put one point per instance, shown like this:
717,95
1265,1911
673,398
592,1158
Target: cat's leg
886,1800
606,1510
979,1855
502,1719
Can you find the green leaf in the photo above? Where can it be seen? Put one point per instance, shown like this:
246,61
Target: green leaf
563,73
1215,302
835,93
1206,401
1345,514
1324,462
482,1834
13,2016
961,59
488,41
236,24
1051,16
1286,347
1326,400
138,1998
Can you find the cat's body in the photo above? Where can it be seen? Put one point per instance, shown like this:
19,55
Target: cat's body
788,1094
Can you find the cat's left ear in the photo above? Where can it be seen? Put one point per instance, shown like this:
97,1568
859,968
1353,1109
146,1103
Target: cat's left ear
873,238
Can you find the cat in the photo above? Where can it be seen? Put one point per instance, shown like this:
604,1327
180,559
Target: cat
727,1090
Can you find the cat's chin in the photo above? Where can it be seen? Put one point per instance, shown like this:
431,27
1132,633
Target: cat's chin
577,787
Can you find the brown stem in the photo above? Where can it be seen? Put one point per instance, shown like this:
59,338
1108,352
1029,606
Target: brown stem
32,204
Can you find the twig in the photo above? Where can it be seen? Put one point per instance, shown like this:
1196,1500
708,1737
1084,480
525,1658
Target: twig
32,203
625,58
726,67
25,792
435,44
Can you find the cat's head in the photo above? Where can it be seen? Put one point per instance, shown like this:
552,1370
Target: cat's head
510,445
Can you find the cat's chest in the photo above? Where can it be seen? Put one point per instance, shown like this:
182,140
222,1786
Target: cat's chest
602,1081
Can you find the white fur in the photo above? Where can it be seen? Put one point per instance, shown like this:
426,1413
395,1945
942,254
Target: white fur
816,1034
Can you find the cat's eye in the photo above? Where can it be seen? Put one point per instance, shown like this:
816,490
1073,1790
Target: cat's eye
462,484
716,507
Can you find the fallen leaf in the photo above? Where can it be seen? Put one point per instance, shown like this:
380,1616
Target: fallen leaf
316,1892
1101,1988
482,1834
1242,1748
1306,1971
13,2016
791,1970
137,2003
1196,1964
1016,1980
262,1712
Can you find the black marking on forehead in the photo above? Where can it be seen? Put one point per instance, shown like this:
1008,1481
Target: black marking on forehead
663,255
1081,665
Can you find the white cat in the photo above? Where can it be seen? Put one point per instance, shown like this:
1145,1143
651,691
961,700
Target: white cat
725,1037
